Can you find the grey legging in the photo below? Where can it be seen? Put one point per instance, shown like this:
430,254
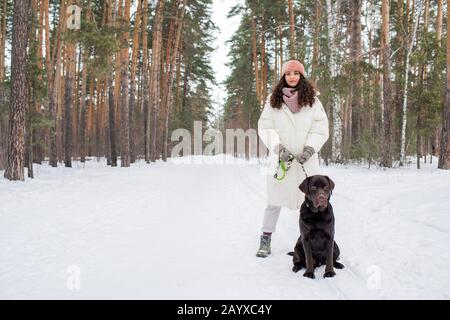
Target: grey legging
271,214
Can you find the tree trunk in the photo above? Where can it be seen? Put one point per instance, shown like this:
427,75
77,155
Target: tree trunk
117,81
3,132
263,68
315,57
76,99
281,50
145,82
49,67
275,59
29,146
82,112
166,67
177,104
400,38
292,43
422,75
179,28
3,40
386,153
90,117
68,104
444,153
335,106
186,76
60,105
156,76
19,91
355,111
125,123
372,80
168,46
134,57
438,28
439,22
33,107
38,133
97,99
112,93
103,118
405,85
255,62
54,82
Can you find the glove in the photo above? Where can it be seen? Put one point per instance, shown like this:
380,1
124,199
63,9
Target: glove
284,155
306,154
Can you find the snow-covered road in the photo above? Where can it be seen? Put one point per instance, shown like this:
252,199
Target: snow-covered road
191,231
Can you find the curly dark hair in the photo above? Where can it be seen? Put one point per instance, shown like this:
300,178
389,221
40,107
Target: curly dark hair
306,92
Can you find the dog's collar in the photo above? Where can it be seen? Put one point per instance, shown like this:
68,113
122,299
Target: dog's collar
308,202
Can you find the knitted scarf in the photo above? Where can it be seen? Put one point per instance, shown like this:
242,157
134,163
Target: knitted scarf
291,99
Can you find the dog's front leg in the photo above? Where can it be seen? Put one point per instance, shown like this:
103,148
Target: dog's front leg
309,259
329,270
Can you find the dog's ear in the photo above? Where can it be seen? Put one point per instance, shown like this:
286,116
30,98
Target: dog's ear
330,182
304,185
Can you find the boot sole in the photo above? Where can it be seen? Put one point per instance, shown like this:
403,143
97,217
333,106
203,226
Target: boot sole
262,254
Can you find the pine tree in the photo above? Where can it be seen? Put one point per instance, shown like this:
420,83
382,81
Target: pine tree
444,155
19,91
125,112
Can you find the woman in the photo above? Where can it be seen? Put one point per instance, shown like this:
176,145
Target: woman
294,126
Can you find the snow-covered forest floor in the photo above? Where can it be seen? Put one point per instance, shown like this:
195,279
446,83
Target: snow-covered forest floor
191,230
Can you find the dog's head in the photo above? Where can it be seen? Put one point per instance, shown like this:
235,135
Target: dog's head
317,190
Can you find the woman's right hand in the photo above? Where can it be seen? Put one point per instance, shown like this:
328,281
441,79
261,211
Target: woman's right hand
284,153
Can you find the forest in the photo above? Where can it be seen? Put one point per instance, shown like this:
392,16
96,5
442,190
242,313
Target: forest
114,78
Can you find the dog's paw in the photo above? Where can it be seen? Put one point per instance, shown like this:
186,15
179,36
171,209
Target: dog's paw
329,274
296,268
309,275
338,265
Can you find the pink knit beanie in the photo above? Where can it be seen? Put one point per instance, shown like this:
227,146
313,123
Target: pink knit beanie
293,65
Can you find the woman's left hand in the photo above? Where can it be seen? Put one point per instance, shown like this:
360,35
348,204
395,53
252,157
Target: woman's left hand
306,154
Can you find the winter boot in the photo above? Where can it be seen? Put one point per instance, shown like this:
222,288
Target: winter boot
264,247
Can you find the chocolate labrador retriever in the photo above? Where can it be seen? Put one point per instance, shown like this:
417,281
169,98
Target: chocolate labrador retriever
316,245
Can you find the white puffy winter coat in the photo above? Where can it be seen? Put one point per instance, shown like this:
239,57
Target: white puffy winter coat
308,127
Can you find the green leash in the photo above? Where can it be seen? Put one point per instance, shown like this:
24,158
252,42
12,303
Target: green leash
283,169
285,166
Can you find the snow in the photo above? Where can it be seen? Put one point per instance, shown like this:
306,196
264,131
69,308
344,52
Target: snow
190,230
